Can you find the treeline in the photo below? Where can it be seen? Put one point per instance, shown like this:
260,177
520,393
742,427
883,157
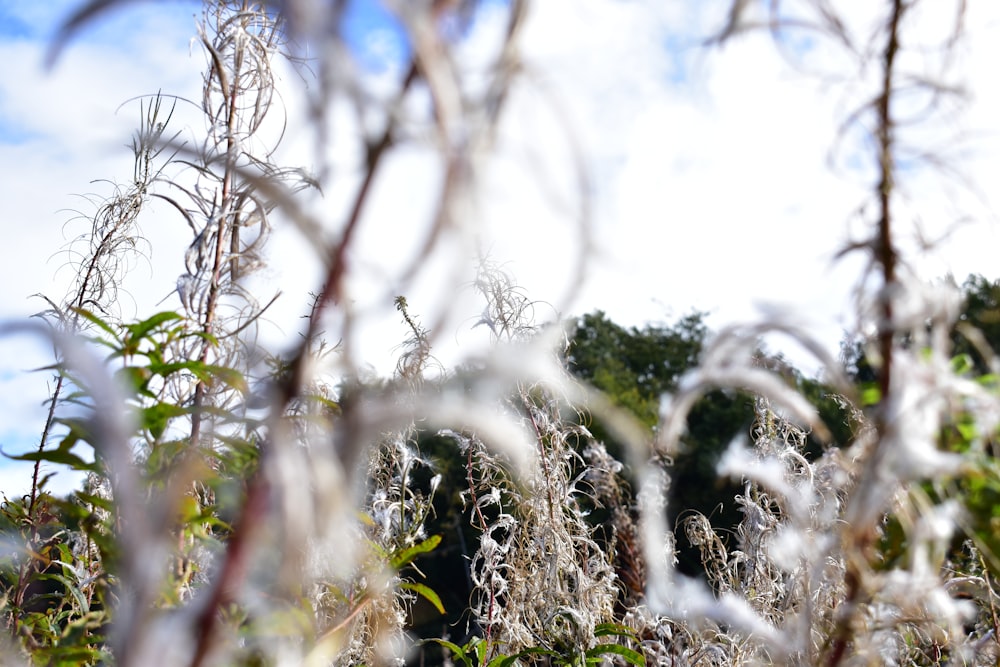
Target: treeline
635,367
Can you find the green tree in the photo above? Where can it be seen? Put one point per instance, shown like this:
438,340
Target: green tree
977,332
635,367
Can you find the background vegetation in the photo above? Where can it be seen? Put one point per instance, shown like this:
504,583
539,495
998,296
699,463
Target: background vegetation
580,493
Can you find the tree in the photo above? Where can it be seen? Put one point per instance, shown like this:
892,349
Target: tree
634,367
977,332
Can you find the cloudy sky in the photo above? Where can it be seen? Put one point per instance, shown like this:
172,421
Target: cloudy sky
719,179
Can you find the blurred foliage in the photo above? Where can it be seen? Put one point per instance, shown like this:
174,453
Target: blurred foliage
636,366
980,313
974,338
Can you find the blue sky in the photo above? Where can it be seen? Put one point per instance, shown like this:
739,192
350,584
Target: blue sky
709,173
71,152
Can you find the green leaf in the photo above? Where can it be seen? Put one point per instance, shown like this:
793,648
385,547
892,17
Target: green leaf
59,456
426,592
204,372
97,321
166,369
70,586
77,430
507,661
401,558
332,406
962,364
96,501
156,417
230,376
204,335
968,430
870,395
632,657
460,652
45,480
68,655
136,377
606,629
140,329
989,380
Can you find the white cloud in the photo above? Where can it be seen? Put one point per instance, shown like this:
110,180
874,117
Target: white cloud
60,131
714,192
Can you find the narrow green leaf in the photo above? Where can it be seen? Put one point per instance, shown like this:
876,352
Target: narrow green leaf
77,428
136,377
58,368
606,629
407,555
140,329
426,592
56,456
97,321
96,501
961,364
68,655
459,652
204,372
331,405
206,336
156,417
507,661
967,430
870,395
70,586
988,380
166,369
632,657
230,376
45,480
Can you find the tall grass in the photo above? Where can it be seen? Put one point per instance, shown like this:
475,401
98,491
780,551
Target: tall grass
245,506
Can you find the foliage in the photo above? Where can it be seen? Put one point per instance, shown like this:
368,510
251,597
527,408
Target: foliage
247,507
634,367
977,332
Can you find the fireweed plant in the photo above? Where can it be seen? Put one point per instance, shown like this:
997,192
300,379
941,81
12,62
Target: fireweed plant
246,507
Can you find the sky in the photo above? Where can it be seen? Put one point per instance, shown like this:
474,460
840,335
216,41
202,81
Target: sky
719,179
